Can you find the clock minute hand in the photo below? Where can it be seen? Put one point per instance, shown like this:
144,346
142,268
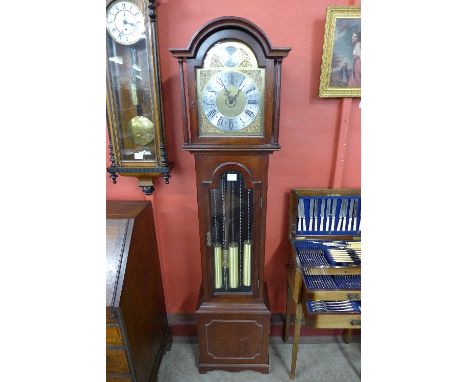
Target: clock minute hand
238,92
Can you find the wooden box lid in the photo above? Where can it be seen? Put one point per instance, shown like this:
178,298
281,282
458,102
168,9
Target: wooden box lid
305,195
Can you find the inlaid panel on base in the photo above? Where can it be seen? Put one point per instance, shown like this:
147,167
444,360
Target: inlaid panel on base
233,339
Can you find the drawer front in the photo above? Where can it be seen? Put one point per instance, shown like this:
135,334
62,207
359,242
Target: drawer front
113,336
334,321
116,362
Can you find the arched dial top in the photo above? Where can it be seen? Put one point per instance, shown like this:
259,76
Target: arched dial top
215,118
230,91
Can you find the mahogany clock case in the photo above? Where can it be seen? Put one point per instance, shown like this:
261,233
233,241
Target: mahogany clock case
233,316
233,327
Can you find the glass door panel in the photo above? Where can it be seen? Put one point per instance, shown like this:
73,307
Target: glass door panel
231,233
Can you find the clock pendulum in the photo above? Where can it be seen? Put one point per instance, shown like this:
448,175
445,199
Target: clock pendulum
231,125
140,126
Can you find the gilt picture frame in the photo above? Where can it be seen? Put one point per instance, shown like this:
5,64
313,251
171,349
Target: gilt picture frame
340,74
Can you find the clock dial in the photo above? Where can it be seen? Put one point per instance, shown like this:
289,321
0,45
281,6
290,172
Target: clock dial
125,22
231,100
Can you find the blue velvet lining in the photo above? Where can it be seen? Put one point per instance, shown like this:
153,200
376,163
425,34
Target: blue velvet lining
332,282
315,254
321,224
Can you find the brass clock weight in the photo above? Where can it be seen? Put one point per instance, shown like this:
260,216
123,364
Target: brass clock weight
134,104
230,116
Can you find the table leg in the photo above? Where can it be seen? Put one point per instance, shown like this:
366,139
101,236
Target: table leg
347,336
288,316
297,334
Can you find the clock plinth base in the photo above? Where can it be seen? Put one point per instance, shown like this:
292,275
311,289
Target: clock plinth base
233,336
205,368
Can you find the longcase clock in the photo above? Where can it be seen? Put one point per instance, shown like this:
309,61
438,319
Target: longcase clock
230,92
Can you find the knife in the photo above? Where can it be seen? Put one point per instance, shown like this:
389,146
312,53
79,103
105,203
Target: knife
329,213
350,215
333,213
355,215
300,214
316,214
311,208
322,213
344,202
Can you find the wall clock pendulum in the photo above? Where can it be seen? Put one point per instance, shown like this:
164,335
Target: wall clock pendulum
230,116
133,104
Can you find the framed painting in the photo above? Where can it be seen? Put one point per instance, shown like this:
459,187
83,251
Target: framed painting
341,59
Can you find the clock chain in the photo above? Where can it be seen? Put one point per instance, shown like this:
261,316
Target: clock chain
247,271
231,185
248,214
215,214
225,252
241,186
233,245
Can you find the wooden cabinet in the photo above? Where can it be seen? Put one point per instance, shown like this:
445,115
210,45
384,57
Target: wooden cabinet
324,272
137,332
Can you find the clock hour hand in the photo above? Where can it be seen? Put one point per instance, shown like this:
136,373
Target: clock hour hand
238,92
225,89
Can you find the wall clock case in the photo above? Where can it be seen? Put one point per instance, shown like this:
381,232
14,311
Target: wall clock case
134,106
230,82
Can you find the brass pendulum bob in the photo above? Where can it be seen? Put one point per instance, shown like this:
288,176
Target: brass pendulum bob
140,127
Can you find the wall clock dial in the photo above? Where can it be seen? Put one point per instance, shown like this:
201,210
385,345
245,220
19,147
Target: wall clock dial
125,22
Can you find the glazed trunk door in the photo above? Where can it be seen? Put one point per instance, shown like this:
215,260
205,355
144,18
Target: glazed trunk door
231,222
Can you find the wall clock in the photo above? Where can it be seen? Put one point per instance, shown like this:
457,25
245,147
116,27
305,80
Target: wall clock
134,105
230,116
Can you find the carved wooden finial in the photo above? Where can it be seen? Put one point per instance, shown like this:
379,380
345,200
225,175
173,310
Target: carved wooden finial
151,10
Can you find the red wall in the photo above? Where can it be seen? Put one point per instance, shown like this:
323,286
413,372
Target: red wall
309,129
